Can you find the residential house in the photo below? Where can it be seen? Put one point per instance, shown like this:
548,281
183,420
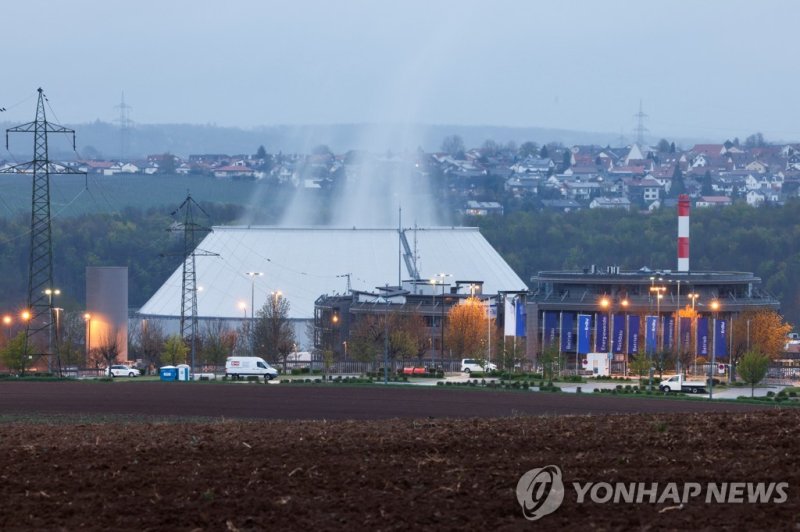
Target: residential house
483,208
610,203
713,201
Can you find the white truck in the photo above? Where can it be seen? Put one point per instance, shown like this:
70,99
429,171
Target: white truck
677,383
238,367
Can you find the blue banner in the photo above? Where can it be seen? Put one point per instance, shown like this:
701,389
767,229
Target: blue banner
685,325
522,318
702,337
668,332
567,332
633,335
651,334
601,334
720,338
584,333
550,328
618,336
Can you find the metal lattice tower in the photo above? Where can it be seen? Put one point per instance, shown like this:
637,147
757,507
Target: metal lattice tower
40,272
125,124
189,278
640,129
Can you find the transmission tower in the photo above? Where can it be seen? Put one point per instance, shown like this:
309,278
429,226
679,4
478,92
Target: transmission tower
40,267
640,129
125,124
189,282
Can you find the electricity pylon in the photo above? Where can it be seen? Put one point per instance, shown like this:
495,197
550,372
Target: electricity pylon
189,282
40,268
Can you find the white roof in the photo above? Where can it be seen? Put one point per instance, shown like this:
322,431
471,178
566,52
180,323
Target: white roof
305,263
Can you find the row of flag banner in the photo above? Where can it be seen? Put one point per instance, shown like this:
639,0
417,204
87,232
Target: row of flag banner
515,316
620,333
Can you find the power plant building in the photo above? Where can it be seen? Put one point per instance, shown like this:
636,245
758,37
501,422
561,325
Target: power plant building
254,263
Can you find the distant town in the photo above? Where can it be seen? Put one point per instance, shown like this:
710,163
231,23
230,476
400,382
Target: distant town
496,178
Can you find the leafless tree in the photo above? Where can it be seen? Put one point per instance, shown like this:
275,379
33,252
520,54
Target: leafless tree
218,341
148,339
274,334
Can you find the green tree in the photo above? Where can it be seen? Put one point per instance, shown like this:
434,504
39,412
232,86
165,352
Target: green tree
706,184
641,366
752,368
261,153
544,153
663,146
678,186
13,354
528,149
175,350
551,363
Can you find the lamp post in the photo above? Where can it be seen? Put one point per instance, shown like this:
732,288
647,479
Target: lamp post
715,309
441,277
50,292
693,296
252,276
88,319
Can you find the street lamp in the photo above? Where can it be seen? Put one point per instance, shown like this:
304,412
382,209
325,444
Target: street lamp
440,277
715,309
253,276
7,321
50,292
88,319
693,296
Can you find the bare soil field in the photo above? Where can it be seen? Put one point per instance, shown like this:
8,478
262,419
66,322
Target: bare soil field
111,456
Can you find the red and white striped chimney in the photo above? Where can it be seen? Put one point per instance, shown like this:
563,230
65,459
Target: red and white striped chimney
683,233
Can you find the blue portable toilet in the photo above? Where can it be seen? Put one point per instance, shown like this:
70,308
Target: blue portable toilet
168,373
183,372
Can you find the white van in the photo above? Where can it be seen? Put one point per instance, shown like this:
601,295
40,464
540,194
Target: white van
238,367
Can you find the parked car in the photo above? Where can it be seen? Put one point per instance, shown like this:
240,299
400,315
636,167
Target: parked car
121,370
468,365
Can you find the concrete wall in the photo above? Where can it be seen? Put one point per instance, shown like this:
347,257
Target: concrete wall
107,304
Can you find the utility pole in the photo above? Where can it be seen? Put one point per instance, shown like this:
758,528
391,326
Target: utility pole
40,265
189,278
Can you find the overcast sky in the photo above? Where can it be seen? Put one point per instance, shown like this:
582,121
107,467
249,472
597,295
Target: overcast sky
712,69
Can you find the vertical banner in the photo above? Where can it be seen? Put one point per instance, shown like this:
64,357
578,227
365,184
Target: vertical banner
651,334
685,334
522,318
618,335
668,332
702,337
720,338
567,332
509,316
550,328
584,333
601,334
633,335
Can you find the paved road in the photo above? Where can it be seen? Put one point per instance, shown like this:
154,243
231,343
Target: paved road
292,401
